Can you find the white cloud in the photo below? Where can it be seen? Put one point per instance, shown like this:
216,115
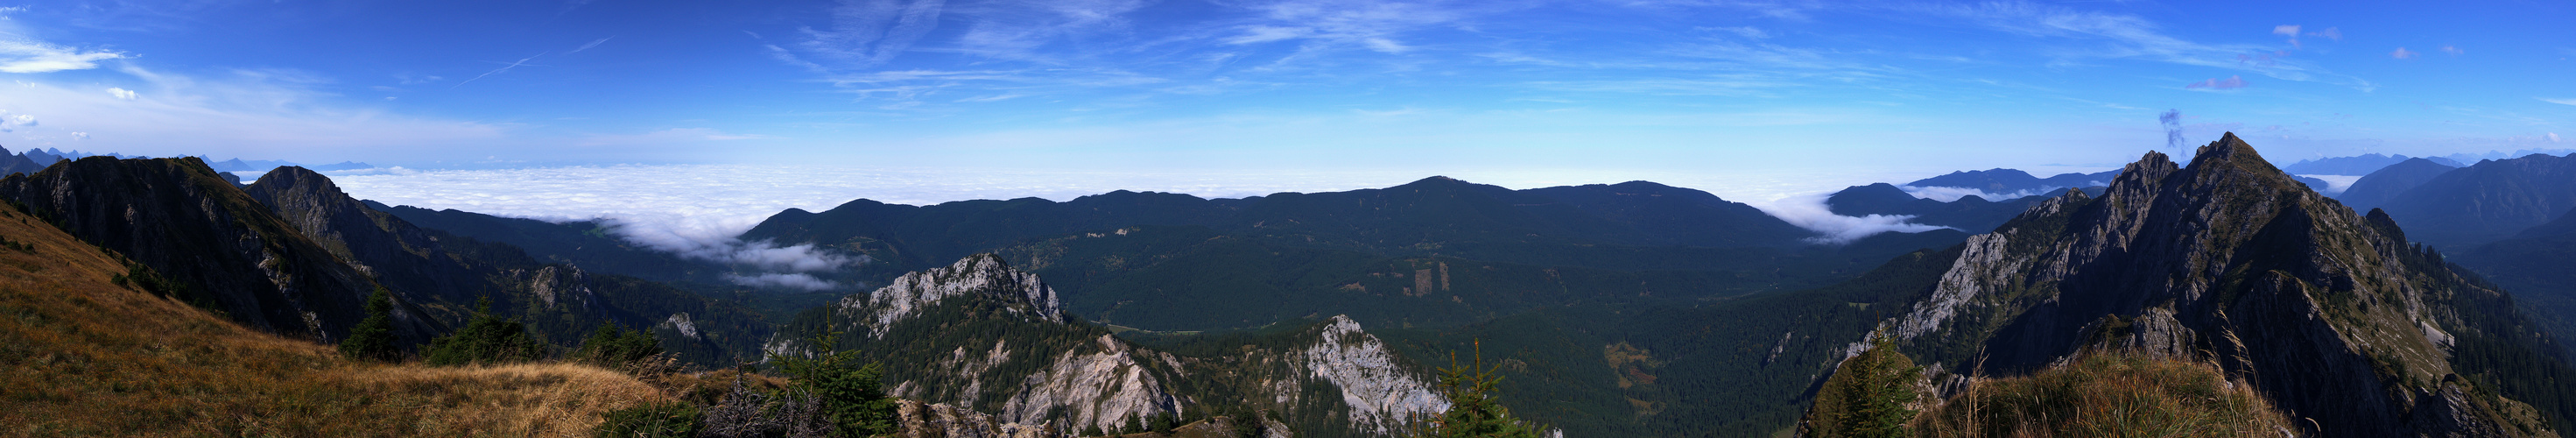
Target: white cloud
2557,101
21,56
1810,212
2402,53
277,114
797,281
120,93
85,136
2335,184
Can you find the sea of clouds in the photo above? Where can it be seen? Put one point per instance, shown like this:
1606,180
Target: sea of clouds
698,211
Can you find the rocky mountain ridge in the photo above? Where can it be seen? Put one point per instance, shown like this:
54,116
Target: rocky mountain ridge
232,254
981,274
292,254
994,341
2327,312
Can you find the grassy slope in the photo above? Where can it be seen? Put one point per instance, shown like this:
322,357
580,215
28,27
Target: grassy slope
2108,394
80,356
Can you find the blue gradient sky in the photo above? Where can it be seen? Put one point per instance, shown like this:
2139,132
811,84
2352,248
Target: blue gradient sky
1421,87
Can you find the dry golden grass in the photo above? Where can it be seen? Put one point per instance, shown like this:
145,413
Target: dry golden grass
2108,395
80,356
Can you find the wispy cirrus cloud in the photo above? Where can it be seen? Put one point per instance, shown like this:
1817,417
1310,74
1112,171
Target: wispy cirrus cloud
503,69
26,56
2569,101
2123,36
867,33
2232,82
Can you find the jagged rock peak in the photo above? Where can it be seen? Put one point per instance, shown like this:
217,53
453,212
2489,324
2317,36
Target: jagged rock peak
2226,260
1381,393
980,275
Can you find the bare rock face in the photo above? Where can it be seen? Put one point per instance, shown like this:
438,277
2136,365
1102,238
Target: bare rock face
1103,388
939,420
979,275
991,338
1381,392
2328,313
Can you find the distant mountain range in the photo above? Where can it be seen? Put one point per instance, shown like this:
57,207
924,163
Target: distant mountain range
1631,309
2355,165
2010,181
1970,213
37,159
2483,202
1435,251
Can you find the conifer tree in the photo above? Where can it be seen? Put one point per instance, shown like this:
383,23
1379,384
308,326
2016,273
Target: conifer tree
490,339
1867,396
1473,410
852,395
612,345
373,339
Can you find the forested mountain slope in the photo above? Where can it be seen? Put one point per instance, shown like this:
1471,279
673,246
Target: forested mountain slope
1433,252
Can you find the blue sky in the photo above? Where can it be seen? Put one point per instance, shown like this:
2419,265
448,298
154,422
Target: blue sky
1406,87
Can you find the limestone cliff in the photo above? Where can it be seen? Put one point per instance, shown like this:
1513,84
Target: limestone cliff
980,335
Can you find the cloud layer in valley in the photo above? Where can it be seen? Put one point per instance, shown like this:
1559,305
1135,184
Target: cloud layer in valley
699,210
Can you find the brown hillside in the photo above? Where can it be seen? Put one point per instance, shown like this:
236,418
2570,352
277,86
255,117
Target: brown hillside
82,356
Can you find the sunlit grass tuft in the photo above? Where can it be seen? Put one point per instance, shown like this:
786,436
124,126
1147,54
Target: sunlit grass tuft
2108,395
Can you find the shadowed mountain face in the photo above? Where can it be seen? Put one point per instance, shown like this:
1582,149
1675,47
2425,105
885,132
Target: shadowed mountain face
560,302
587,243
18,163
2538,266
231,253
2328,313
292,254
2486,201
2375,189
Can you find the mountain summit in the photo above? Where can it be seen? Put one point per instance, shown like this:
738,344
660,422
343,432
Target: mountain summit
2327,312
